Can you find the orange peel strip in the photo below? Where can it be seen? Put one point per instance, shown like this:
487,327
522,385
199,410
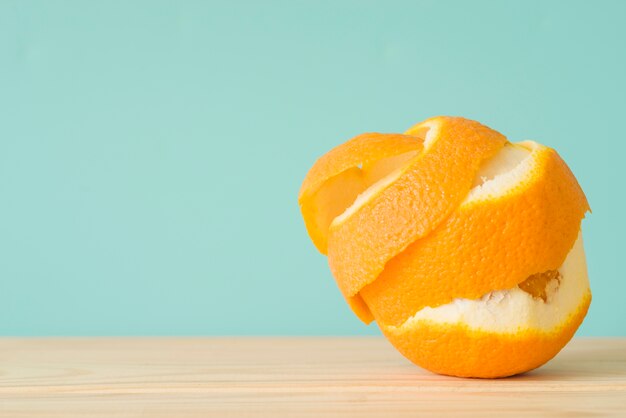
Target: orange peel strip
402,208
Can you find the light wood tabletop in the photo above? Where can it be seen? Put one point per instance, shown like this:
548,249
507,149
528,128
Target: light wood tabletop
275,377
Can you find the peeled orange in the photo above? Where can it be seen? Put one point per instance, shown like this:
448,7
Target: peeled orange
464,247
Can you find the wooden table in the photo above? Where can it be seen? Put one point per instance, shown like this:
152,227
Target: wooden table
275,377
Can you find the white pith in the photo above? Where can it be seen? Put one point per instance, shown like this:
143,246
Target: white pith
513,310
511,166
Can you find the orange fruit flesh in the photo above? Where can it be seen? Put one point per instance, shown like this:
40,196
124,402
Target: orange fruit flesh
536,284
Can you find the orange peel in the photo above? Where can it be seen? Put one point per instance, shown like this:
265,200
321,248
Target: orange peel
465,248
384,217
339,176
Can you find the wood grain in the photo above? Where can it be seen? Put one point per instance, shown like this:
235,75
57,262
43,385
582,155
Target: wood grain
240,377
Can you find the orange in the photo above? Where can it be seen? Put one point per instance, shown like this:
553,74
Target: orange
465,248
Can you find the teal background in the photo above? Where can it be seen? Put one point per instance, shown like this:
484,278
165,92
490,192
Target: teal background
151,151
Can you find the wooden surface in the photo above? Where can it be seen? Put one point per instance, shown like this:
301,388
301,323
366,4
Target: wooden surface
274,377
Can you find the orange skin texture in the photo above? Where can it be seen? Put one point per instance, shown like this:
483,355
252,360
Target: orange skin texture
481,247
456,350
335,180
432,185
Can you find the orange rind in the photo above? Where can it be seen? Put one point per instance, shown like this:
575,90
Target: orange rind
339,176
384,217
465,248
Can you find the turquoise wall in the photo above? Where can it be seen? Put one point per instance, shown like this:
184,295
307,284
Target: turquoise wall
151,151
